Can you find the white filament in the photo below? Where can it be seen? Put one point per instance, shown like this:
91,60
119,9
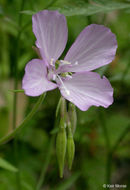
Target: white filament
54,77
76,63
52,62
63,62
66,90
69,76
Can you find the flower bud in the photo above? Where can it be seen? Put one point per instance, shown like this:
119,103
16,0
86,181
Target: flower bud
70,148
73,117
63,107
61,142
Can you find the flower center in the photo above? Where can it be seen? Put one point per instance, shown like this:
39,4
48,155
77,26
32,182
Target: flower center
59,77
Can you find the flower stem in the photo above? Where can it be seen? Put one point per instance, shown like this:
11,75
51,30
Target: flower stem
111,150
123,134
108,167
104,129
124,73
16,68
107,141
15,145
25,121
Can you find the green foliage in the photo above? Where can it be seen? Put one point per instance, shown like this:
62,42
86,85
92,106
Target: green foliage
86,9
116,124
89,9
6,165
68,183
37,163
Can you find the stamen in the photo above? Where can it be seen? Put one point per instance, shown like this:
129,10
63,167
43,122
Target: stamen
69,76
66,90
76,63
52,62
54,77
63,62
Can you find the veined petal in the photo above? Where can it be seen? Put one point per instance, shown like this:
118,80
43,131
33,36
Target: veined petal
50,29
87,89
94,47
35,80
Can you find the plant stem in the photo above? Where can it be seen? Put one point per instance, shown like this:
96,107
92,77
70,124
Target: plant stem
16,67
104,128
124,73
123,134
25,121
107,141
45,165
111,151
15,145
108,167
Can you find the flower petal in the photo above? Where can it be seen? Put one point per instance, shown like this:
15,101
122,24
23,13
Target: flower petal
94,47
50,29
87,89
35,80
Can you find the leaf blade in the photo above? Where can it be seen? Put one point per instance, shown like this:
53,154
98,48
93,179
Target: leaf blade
6,165
90,9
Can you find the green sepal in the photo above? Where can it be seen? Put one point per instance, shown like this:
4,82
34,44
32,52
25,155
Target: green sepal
61,144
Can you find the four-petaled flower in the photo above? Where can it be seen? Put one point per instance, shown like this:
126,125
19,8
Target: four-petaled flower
94,47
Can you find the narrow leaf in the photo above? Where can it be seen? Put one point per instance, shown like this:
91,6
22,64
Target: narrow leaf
28,12
17,90
6,165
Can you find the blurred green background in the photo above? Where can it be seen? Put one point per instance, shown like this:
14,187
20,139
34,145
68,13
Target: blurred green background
102,135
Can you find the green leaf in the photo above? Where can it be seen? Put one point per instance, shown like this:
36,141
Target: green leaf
28,12
17,90
97,6
1,11
90,9
116,124
6,165
89,168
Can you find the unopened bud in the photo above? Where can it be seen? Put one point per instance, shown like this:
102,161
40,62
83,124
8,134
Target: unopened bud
73,117
63,107
61,142
70,148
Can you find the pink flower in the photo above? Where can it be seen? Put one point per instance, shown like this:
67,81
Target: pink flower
94,47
